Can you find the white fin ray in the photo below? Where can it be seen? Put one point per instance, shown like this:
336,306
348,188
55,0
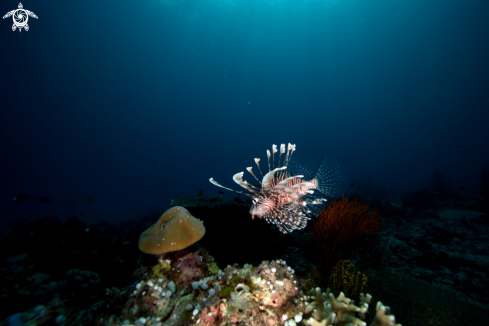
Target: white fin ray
308,185
250,170
238,178
215,183
282,184
266,183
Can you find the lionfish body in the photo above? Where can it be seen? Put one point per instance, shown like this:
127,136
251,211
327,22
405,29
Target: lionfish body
282,197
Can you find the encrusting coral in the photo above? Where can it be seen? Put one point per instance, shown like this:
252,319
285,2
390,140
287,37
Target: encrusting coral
176,229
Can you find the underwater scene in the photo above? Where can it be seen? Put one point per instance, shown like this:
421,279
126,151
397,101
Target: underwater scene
244,162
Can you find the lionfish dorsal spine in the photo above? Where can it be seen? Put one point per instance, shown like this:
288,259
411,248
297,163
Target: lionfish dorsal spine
250,170
268,157
238,178
290,150
266,183
274,150
282,150
287,158
257,161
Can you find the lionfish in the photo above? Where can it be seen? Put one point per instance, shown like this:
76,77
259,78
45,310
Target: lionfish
285,198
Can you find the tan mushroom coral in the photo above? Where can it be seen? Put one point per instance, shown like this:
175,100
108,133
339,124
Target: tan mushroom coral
175,230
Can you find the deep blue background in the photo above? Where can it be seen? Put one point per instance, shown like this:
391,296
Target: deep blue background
130,102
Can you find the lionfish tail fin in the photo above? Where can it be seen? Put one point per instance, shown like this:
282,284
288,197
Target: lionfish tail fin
331,178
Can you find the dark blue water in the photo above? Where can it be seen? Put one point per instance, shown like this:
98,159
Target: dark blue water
130,102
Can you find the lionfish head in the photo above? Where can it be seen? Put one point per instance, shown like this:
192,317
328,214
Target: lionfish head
261,206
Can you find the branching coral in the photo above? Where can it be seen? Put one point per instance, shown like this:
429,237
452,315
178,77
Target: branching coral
341,311
340,226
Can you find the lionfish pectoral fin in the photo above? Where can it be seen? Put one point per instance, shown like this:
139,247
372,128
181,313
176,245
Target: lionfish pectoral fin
215,183
238,178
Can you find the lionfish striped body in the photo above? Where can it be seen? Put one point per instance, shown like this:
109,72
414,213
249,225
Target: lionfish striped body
281,198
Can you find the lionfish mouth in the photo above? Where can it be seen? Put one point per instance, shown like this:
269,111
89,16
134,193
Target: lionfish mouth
254,213
281,197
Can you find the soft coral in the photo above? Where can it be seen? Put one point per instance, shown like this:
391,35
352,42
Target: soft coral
340,226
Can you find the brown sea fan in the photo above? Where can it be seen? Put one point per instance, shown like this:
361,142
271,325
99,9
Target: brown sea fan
340,226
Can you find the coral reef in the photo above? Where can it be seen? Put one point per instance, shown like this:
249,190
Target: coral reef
295,257
341,226
345,278
184,291
448,248
430,266
341,311
421,303
175,230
